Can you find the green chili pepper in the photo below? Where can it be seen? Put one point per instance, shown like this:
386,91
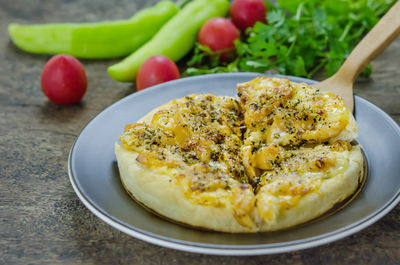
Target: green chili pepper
108,39
175,39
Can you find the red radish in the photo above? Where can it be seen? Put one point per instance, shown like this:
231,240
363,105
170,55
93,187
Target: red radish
219,35
64,80
245,13
155,70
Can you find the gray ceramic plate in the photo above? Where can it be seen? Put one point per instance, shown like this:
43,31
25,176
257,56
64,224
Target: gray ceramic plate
94,176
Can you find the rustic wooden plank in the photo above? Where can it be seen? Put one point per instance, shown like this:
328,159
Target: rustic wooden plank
42,221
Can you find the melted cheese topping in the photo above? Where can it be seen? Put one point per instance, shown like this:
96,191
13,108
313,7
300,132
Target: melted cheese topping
259,154
199,137
279,111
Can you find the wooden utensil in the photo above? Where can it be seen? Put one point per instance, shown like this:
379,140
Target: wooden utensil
381,35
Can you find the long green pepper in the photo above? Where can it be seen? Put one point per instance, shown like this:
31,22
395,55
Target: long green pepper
101,40
174,40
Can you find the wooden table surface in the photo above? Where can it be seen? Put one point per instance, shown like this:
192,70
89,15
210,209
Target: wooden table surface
42,221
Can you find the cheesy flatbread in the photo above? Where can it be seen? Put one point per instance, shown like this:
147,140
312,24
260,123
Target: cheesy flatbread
278,155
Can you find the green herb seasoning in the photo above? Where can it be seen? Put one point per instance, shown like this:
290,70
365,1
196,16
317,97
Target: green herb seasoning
301,38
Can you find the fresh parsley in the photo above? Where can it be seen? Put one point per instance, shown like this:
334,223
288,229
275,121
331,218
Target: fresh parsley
301,38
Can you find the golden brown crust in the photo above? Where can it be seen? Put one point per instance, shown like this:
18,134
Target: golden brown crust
156,191
280,199
167,198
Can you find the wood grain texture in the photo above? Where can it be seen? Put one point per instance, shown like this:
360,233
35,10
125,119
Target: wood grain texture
42,221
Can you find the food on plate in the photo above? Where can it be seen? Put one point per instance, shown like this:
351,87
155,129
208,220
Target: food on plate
219,34
99,40
64,79
155,70
245,13
279,155
174,40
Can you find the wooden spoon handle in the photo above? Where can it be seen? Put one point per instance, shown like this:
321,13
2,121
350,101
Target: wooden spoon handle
381,35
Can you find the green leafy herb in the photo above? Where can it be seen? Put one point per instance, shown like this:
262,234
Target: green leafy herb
301,38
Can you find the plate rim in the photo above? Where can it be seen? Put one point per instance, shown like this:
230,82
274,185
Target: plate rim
236,250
